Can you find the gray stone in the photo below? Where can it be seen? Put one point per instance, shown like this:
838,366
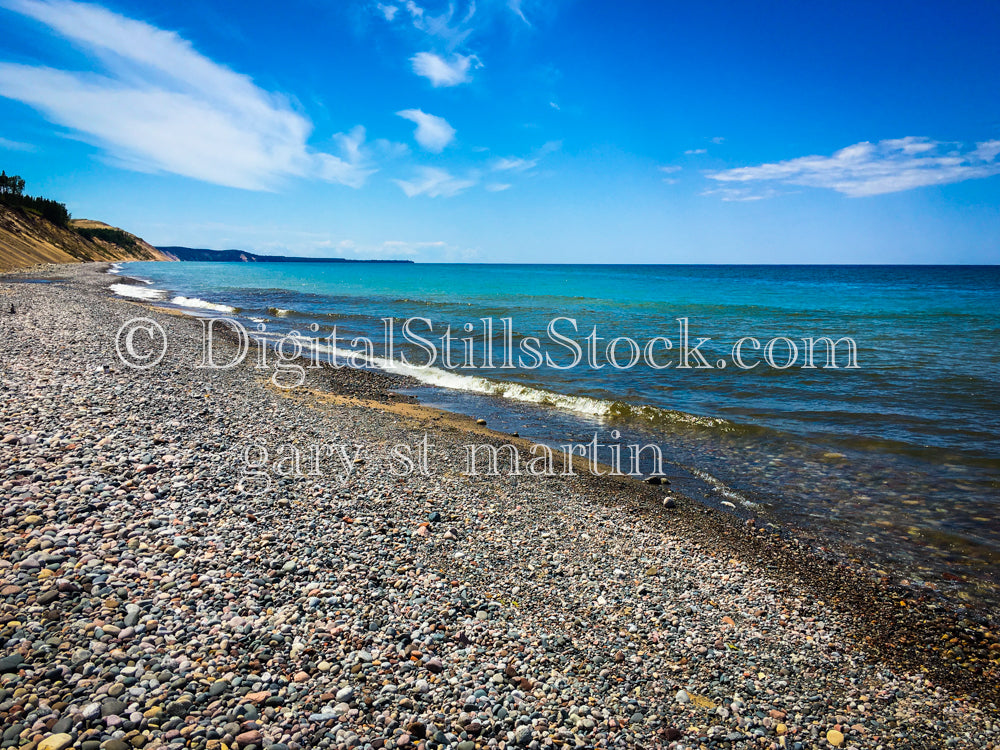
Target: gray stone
11,663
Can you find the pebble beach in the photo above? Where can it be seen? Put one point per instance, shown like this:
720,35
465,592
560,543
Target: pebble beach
149,598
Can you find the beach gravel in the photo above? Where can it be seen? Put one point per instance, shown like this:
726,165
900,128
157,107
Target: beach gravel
149,599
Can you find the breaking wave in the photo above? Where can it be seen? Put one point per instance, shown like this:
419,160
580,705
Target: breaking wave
603,409
203,305
137,292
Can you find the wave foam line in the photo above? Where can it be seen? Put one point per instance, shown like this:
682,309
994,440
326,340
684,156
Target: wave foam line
585,405
722,488
472,383
202,304
137,292
500,388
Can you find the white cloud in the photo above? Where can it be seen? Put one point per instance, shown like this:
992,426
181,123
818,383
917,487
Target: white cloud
451,26
415,11
401,247
515,6
497,187
434,183
162,106
524,164
433,132
520,164
349,169
454,24
447,28
670,169
441,72
429,251
514,164
888,166
9,145
387,248
389,150
738,195
691,151
988,150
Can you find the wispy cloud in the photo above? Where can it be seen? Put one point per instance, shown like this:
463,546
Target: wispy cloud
388,248
668,170
433,132
386,150
447,30
441,72
454,20
388,11
435,183
428,251
738,194
497,187
514,164
348,169
402,247
452,25
291,239
525,163
888,166
162,106
515,7
692,151
9,145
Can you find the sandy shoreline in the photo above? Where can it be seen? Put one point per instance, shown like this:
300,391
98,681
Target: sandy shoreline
146,602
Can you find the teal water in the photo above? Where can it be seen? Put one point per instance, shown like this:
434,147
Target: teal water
900,455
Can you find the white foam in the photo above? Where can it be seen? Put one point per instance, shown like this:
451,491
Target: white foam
723,489
117,268
137,292
586,405
501,388
201,304
473,383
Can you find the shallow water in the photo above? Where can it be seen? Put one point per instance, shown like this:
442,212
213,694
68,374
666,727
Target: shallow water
900,456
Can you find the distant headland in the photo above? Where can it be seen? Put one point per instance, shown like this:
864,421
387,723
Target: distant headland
242,256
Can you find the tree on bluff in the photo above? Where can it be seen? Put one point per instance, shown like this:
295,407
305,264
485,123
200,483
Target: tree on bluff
12,185
12,194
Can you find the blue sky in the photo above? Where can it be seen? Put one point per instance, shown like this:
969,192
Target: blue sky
517,131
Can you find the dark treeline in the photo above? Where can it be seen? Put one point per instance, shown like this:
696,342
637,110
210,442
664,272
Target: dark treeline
12,194
114,236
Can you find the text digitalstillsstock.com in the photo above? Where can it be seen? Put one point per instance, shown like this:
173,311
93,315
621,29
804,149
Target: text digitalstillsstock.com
492,348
